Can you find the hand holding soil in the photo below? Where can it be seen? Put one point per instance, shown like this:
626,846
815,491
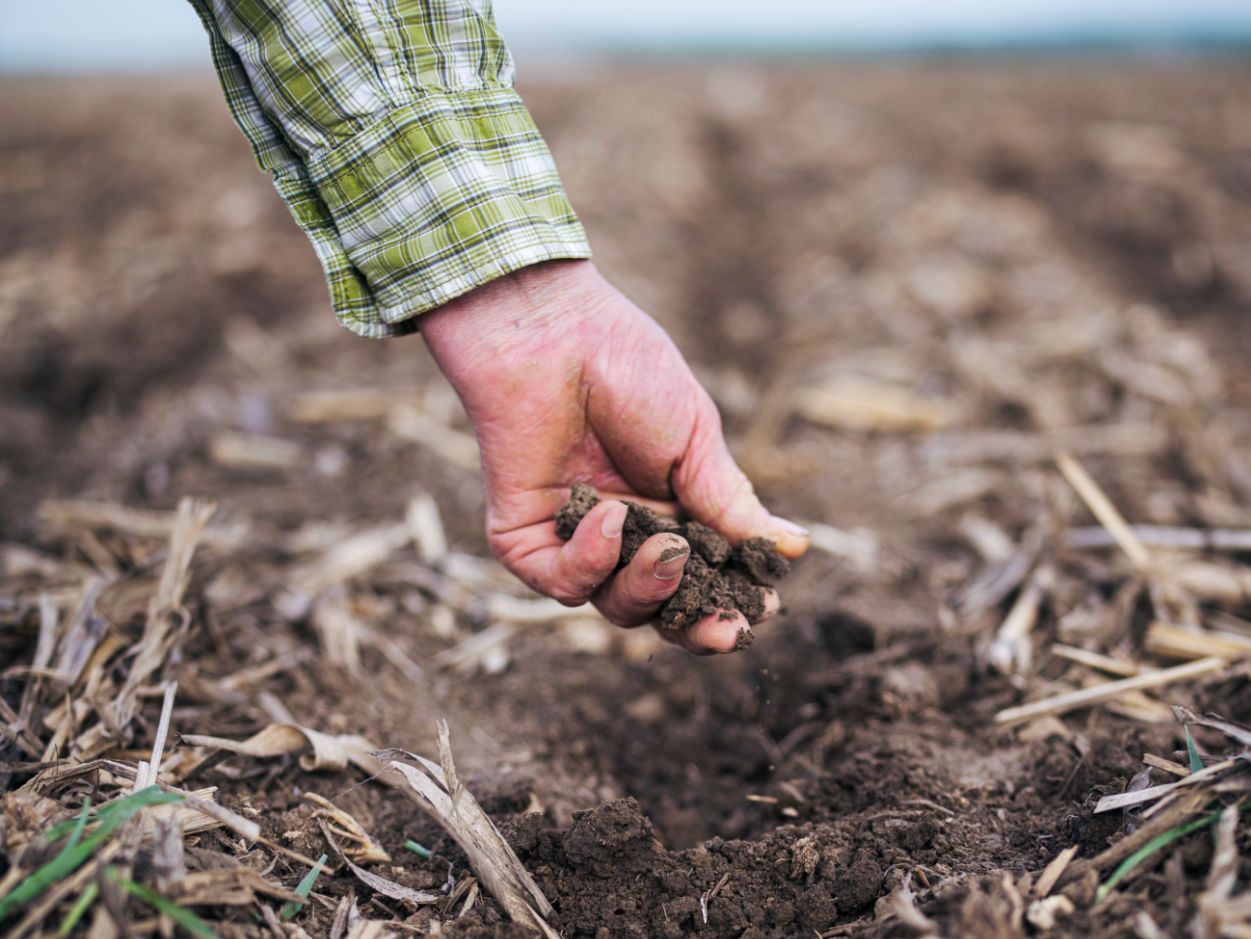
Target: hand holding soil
719,578
565,380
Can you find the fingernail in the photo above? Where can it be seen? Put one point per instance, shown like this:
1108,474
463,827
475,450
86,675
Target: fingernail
671,563
614,521
791,528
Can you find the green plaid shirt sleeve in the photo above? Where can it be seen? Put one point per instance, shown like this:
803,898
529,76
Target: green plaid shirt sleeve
394,135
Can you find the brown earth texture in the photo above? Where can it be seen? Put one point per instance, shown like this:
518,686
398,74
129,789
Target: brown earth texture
908,287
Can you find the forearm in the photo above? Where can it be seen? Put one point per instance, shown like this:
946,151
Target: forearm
395,136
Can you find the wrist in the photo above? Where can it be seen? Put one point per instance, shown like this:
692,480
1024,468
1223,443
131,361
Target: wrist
515,312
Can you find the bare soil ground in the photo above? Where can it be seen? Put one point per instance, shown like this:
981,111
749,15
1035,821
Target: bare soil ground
906,286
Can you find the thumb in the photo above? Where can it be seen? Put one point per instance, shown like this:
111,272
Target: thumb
713,490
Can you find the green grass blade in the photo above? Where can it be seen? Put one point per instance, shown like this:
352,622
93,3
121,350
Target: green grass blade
68,827
1162,840
179,914
127,807
81,824
81,906
73,856
291,907
103,813
418,849
1196,762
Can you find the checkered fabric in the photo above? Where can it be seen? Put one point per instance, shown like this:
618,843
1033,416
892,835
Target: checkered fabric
395,137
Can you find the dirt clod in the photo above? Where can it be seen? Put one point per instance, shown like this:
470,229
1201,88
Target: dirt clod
859,884
581,501
718,578
610,839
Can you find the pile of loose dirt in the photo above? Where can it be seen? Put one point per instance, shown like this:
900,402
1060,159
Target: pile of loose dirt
719,577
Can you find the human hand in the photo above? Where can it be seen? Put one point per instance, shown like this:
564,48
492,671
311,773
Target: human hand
565,380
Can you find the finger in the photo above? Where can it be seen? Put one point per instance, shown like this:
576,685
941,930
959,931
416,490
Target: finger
575,571
712,488
632,597
772,603
725,631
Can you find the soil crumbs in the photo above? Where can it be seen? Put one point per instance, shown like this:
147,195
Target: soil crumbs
717,578
923,282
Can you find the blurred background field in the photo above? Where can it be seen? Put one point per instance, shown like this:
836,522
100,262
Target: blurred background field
910,281
130,35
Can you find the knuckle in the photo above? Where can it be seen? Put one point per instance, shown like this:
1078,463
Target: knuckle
576,581
641,592
613,611
568,595
654,593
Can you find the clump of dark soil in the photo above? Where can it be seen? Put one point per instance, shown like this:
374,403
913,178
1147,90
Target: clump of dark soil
719,576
